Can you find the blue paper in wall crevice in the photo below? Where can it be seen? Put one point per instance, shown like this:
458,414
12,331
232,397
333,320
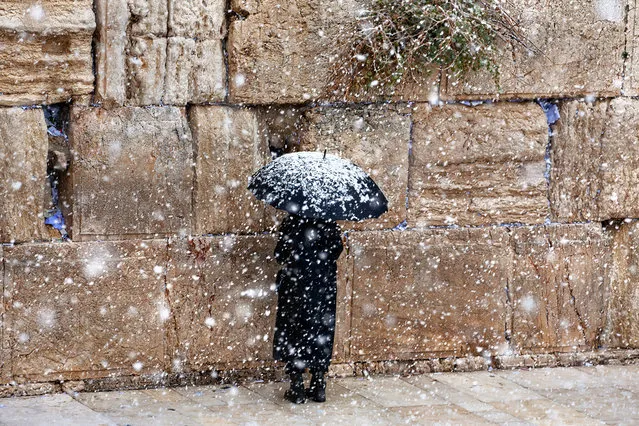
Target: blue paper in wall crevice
551,110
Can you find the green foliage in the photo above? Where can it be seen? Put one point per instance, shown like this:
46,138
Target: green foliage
400,39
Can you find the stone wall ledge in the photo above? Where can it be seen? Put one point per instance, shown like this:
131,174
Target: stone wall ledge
269,371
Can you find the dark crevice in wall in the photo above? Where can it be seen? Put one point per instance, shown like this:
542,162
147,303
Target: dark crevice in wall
311,105
552,117
510,314
404,224
625,54
94,53
194,184
166,54
225,51
58,159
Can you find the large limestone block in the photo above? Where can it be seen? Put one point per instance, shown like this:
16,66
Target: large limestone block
291,53
203,19
46,51
145,71
145,17
622,329
131,174
229,149
280,51
558,287
577,48
85,310
478,165
595,161
376,139
222,299
421,294
146,54
195,71
23,171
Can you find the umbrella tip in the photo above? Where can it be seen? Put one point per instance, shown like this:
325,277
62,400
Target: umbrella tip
325,154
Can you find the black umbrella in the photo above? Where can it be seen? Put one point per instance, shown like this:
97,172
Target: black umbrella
319,186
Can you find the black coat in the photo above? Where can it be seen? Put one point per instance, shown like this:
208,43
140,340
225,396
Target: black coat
308,250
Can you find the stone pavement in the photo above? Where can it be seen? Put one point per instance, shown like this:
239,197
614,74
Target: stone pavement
577,395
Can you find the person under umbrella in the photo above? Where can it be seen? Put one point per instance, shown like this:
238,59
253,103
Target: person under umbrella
316,190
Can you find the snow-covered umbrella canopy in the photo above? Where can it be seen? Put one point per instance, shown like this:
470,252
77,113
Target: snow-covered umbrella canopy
319,186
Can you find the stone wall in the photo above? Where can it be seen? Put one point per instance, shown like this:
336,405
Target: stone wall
510,239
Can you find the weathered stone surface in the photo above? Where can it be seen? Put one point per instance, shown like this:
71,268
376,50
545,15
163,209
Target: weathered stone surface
595,161
140,62
576,48
84,310
290,53
23,171
478,165
376,139
281,52
558,287
46,51
146,17
229,149
222,298
130,51
419,294
203,19
132,173
195,72
145,71
622,329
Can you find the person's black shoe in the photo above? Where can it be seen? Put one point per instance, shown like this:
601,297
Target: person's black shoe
317,390
296,394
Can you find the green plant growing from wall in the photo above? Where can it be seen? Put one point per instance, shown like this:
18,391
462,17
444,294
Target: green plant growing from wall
396,40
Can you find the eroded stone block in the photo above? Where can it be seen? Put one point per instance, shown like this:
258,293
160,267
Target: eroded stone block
595,161
229,149
280,51
195,71
145,70
146,17
478,165
558,288
203,19
46,51
77,311
376,139
575,48
292,53
424,294
146,54
23,171
222,299
622,330
131,174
